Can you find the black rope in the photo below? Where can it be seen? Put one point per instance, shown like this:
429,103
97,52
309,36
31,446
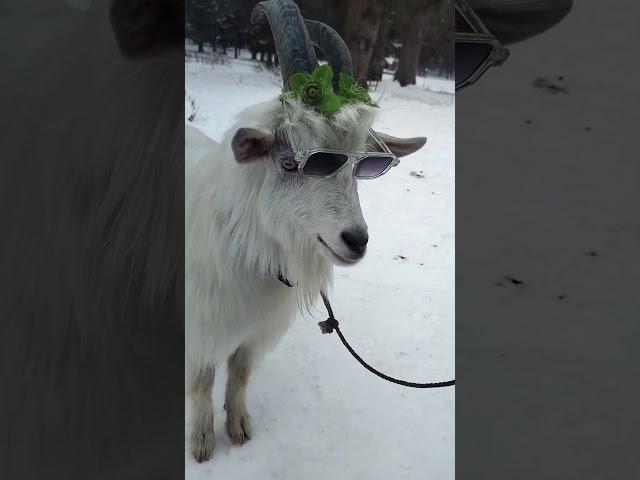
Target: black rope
331,324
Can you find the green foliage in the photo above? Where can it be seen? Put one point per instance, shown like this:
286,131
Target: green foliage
315,90
350,91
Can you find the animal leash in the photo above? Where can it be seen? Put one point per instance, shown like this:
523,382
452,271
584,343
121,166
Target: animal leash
331,324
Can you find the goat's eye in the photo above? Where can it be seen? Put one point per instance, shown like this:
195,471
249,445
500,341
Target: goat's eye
289,164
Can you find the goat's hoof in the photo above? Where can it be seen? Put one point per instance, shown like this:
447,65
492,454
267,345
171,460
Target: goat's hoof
238,428
202,445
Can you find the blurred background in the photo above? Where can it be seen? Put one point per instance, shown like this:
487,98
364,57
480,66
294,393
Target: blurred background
405,38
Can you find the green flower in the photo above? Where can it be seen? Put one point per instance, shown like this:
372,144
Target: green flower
360,93
351,92
315,90
312,93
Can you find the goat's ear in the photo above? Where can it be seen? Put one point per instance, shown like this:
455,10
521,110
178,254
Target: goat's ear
402,146
144,28
249,144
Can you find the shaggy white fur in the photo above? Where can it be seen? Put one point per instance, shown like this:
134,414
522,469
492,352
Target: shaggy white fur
246,223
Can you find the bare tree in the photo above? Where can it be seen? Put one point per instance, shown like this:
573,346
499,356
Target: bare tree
412,18
437,54
377,61
200,22
362,24
372,29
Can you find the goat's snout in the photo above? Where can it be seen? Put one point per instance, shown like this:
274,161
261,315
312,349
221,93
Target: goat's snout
356,240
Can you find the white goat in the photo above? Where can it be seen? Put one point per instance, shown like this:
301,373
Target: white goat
249,220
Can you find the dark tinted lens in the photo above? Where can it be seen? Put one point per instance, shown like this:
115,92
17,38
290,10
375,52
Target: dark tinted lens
323,163
372,166
469,57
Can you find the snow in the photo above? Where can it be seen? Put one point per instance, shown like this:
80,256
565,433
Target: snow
316,412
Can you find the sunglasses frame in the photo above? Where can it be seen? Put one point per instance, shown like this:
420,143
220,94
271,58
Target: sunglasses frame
482,35
353,159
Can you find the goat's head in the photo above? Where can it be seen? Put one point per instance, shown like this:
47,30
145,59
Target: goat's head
318,214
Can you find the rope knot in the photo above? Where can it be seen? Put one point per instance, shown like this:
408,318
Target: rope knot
328,325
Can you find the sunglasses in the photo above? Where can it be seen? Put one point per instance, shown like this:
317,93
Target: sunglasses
325,163
477,48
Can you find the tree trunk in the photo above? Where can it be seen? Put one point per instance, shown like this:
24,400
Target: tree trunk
254,55
362,23
201,47
412,36
235,52
376,64
262,56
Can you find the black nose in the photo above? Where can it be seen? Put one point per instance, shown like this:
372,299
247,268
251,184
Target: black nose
356,240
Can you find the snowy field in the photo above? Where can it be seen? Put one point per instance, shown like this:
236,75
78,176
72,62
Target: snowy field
316,412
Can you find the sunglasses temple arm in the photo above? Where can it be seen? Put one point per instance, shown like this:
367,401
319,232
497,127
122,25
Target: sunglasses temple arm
379,141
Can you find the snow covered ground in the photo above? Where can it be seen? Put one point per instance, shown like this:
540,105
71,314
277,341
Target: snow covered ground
316,412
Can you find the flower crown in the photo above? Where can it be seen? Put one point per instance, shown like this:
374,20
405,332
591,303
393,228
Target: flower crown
315,89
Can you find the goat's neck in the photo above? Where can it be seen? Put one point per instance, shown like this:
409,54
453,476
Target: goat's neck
250,251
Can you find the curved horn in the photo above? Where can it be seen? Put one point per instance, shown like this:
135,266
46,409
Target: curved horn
399,146
293,46
333,46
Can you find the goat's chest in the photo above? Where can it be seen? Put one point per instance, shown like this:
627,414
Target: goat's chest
221,318
262,308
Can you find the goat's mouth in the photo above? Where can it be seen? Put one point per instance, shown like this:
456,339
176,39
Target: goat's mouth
337,258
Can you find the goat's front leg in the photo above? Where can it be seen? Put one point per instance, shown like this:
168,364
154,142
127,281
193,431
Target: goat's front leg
238,422
202,436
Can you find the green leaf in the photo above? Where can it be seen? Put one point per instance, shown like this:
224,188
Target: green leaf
323,75
345,82
298,80
329,103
